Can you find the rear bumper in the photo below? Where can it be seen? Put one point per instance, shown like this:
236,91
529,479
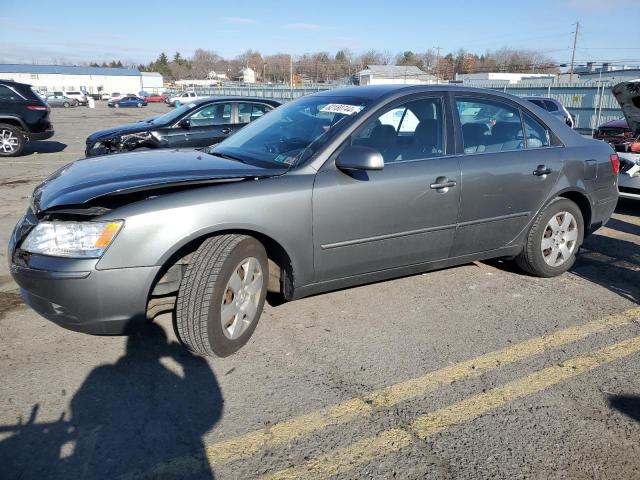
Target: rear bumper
40,135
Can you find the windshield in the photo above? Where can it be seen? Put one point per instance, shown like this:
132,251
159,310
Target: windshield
173,114
292,133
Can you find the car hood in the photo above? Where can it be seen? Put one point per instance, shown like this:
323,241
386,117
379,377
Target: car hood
136,127
620,123
628,96
90,178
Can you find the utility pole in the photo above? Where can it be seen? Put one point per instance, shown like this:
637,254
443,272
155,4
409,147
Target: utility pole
438,63
573,53
291,74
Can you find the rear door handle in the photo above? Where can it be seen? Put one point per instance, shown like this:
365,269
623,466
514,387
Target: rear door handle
442,184
226,131
541,171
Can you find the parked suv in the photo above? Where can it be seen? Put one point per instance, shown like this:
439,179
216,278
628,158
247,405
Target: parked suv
24,116
79,96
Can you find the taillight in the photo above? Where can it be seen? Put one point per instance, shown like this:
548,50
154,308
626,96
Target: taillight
37,107
615,163
635,147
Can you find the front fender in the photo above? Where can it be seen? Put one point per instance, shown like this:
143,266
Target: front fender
155,229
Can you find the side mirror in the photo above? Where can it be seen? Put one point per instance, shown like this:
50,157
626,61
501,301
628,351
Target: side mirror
184,123
356,157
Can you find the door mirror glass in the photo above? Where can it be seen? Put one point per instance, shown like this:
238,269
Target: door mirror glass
355,157
184,123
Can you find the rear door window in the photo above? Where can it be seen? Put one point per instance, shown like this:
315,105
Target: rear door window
8,95
489,125
248,112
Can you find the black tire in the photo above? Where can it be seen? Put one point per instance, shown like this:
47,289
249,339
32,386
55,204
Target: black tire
198,318
66,105
532,259
11,150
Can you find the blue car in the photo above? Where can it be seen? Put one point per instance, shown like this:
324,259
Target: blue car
129,101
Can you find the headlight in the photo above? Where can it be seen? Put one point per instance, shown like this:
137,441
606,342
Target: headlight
71,239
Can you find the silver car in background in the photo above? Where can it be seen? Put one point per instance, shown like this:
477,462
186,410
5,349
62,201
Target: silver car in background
332,190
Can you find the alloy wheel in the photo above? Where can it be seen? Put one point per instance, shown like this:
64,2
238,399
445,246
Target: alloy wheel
559,239
9,141
241,298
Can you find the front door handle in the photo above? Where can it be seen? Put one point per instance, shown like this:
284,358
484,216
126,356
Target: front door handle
541,171
442,184
226,131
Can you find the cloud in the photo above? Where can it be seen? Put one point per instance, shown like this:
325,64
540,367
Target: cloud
303,26
240,21
9,24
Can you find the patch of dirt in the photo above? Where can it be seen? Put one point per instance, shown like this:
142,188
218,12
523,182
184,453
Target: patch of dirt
9,301
13,183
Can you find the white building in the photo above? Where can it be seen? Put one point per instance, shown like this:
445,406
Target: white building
247,75
49,78
394,74
500,77
152,82
216,76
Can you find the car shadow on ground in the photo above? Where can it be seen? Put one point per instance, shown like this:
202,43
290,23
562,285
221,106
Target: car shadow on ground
610,262
627,404
43,146
143,416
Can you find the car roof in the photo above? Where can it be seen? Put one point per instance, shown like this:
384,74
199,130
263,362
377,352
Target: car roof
212,99
542,98
381,92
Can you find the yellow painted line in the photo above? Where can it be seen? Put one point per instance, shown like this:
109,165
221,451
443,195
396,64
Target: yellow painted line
362,452
243,446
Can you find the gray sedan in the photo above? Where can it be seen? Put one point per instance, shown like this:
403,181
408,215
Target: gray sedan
332,190
61,101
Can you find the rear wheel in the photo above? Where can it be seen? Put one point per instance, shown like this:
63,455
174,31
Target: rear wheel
554,240
12,140
222,294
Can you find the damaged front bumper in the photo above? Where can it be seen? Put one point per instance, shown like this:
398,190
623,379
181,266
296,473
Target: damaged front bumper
77,295
122,143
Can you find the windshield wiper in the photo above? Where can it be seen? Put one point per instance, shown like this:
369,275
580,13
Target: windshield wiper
227,156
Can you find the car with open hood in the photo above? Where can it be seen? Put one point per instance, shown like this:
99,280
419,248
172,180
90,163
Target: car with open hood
331,190
626,141
196,124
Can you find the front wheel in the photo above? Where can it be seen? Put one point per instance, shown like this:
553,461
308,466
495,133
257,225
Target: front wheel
553,240
222,294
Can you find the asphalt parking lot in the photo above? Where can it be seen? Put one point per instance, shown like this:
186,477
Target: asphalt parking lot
478,371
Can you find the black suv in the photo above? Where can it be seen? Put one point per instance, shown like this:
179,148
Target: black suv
23,116
197,124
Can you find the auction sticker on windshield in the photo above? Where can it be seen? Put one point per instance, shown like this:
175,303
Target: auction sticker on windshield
341,108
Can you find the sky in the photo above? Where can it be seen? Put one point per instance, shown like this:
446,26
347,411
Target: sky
136,32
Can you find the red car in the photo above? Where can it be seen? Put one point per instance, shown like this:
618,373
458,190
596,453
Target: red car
155,97
618,134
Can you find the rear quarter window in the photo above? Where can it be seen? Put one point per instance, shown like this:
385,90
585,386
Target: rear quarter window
8,95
